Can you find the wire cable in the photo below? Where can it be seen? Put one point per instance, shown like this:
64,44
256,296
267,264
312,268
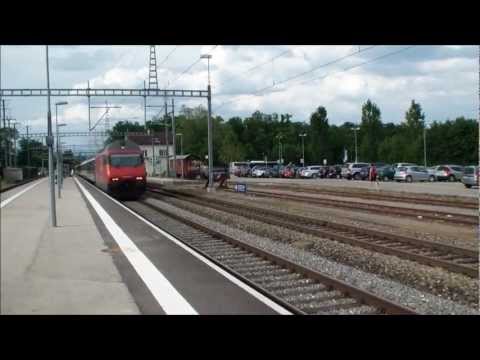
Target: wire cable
189,67
166,58
257,66
302,74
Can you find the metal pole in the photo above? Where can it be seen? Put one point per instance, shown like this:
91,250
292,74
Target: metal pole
145,104
58,152
425,146
6,133
53,215
14,145
355,134
303,150
174,137
166,139
181,150
88,96
28,149
153,154
210,140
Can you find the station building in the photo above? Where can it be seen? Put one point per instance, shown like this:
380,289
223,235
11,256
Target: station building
154,148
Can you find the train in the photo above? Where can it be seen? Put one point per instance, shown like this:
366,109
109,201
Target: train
119,169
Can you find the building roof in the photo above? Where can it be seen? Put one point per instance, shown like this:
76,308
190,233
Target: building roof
187,156
158,138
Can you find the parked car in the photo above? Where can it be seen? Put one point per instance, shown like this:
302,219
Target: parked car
352,170
470,176
431,173
449,172
260,171
334,172
403,164
385,173
288,172
311,172
411,173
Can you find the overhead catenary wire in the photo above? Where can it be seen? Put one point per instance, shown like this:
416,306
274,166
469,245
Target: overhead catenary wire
301,74
360,64
189,67
258,65
166,57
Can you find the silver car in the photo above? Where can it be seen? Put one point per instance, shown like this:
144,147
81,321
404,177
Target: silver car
449,172
310,172
352,170
470,176
411,173
397,165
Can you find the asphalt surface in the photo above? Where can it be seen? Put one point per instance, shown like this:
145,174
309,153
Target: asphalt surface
206,290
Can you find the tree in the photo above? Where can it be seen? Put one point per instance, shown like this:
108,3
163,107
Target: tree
370,132
35,149
121,128
230,147
318,135
414,118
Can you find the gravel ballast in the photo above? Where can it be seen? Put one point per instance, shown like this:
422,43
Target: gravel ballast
454,286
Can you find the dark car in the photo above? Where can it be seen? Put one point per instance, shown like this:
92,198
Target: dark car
334,172
385,173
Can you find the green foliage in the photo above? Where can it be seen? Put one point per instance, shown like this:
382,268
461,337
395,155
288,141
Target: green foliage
370,133
256,136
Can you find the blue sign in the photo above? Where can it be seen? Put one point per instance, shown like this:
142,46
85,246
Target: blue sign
240,188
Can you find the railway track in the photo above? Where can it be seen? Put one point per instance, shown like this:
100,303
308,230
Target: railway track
451,258
297,288
441,216
365,194
6,188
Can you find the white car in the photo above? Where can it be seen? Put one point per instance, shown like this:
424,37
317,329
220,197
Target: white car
310,172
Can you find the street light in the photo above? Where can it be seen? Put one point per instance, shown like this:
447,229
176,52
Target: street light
355,134
210,132
181,150
303,147
279,137
57,125
49,141
425,145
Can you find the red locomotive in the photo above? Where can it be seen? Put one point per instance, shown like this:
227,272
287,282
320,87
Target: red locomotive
119,169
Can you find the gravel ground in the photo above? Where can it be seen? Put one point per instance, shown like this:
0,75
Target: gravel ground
466,236
437,190
455,286
351,199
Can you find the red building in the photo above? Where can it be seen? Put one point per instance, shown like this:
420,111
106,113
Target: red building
190,164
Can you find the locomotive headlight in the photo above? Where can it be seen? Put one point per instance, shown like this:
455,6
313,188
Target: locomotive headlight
139,178
114,179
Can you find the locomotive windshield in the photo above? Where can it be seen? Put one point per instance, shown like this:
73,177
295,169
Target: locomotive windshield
128,160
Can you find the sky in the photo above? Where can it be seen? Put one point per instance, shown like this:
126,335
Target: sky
443,79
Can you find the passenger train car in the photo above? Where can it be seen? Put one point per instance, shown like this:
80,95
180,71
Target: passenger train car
119,169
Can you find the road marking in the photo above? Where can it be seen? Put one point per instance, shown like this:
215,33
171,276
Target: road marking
10,199
171,301
259,296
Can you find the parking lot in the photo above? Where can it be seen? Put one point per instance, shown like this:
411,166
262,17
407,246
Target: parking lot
435,188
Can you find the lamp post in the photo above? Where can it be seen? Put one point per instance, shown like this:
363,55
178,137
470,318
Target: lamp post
303,147
210,134
355,134
425,145
49,141
181,150
59,167
279,137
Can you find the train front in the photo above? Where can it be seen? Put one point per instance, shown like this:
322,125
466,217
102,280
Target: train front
127,173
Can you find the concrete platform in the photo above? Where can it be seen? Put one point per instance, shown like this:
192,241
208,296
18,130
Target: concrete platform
104,259
61,270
